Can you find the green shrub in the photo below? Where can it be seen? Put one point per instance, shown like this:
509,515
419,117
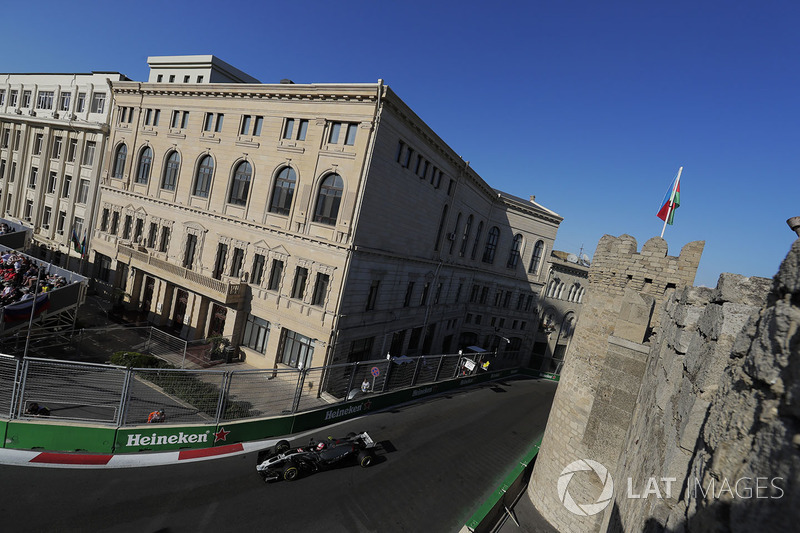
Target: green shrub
138,360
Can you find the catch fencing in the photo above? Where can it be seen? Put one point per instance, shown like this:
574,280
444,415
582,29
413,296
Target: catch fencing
119,396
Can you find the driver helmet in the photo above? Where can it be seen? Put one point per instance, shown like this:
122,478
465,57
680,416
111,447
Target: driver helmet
321,446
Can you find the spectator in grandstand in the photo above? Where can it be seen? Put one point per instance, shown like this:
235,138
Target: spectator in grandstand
365,385
37,410
156,417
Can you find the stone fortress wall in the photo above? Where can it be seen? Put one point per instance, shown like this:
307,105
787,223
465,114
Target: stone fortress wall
708,396
603,369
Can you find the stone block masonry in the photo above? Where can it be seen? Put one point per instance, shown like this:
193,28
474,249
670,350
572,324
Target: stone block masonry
605,365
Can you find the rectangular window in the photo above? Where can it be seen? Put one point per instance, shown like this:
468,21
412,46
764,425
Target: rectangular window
298,350
350,139
63,101
413,340
77,226
34,175
104,219
213,122
62,217
2,168
114,223
26,99
409,292
256,334
236,262
12,98
288,128
44,100
320,289
67,183
299,285
98,102
360,350
88,153
81,103
6,137
372,297
28,210
185,120
151,117
73,148
188,255
9,201
222,256
56,153
172,78
507,299
275,275
302,130
257,124
17,138
37,143
258,269
438,294
473,295
176,120
186,79
13,172
484,294
152,235
138,230
127,226
336,129
83,191
148,116
52,180
46,216
103,267
245,128
2,96
199,79
164,244
425,289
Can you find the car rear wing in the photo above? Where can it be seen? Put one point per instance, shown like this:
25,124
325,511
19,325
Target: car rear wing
368,442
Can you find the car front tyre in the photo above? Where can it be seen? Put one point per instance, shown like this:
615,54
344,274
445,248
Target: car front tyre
291,472
282,446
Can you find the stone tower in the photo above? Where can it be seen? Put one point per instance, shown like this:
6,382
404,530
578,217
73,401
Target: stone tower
604,367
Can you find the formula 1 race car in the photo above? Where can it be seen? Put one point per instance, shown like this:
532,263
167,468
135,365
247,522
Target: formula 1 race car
286,462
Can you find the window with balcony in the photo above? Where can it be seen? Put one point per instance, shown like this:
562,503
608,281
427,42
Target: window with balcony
236,262
189,251
219,264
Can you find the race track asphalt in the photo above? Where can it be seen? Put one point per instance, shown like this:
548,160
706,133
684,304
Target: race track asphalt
442,458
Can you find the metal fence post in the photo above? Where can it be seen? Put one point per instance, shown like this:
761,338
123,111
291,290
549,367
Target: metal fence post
438,368
223,395
149,338
183,362
416,371
352,379
15,389
20,399
122,414
388,373
301,379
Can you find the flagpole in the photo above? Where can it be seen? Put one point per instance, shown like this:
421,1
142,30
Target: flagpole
671,201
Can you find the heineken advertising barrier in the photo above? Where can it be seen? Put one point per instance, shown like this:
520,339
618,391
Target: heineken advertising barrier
37,435
157,437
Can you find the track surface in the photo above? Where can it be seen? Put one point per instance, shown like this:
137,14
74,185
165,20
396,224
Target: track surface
444,456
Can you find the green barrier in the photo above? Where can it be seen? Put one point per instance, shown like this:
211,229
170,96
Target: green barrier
152,438
3,429
60,437
476,521
540,374
251,430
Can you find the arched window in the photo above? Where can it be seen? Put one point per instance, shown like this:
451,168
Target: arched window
145,162
571,292
513,255
283,192
465,237
328,199
568,326
119,161
536,258
580,295
240,186
170,178
202,179
491,245
560,291
477,240
551,288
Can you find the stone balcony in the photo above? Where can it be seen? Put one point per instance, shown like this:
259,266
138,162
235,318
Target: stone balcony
226,292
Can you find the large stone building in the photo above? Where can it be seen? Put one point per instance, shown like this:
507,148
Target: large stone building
311,224
559,308
53,129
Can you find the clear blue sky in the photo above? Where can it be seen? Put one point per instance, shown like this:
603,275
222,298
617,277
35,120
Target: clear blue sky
591,106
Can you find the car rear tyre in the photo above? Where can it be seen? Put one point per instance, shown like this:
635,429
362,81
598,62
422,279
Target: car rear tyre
291,472
282,446
365,459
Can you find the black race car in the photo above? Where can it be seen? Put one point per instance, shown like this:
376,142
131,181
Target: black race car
286,462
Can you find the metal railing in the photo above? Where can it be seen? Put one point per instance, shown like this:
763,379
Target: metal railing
119,396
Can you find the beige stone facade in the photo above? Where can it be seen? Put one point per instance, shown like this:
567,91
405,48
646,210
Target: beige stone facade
312,224
53,129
